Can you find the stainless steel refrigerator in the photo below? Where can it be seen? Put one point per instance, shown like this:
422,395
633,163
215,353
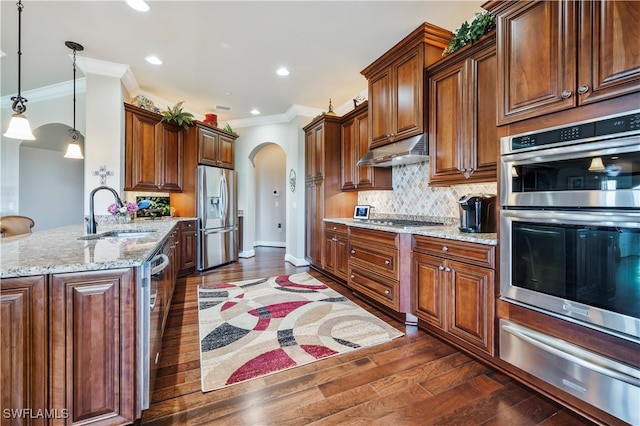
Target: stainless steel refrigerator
217,217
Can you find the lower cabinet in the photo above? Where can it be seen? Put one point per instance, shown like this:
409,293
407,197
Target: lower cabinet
454,290
92,341
187,247
336,243
23,348
374,268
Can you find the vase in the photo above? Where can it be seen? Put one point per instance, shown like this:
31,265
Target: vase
125,218
211,119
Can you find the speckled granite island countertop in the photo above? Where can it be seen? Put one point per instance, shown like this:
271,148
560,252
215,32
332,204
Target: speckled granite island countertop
59,250
448,232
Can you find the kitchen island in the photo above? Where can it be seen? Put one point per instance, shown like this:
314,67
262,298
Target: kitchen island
72,311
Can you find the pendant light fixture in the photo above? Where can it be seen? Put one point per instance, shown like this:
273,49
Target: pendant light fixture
19,127
73,150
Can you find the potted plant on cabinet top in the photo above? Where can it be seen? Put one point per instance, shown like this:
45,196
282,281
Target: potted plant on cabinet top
177,115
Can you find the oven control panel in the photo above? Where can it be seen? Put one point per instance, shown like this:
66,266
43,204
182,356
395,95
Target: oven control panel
609,126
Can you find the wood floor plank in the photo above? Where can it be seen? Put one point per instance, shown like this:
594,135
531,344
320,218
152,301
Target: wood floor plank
417,379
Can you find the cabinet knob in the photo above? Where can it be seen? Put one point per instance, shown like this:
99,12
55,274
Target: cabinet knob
445,248
583,89
441,268
353,252
447,269
352,276
566,94
334,239
387,262
387,292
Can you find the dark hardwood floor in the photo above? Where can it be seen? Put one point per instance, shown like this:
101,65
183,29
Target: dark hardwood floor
413,380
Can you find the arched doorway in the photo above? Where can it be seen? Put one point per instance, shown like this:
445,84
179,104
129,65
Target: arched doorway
51,189
270,196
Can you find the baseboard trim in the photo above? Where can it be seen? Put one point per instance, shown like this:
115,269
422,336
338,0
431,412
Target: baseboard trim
295,261
247,253
281,244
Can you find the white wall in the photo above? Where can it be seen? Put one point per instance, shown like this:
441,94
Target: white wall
270,163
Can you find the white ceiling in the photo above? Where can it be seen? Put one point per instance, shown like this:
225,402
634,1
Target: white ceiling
220,52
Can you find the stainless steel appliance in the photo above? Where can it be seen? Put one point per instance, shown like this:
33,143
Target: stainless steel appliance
217,217
570,248
152,282
477,213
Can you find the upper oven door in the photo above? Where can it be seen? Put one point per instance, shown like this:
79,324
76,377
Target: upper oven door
596,174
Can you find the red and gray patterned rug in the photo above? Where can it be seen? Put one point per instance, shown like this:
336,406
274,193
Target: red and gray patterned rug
252,328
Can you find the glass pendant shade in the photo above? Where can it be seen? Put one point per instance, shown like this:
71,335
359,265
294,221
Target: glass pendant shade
596,165
19,128
73,151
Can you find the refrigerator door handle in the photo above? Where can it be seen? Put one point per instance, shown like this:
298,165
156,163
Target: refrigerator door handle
224,199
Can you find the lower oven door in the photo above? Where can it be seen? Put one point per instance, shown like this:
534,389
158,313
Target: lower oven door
582,266
603,382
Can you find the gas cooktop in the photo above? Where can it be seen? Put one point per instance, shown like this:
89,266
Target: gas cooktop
402,223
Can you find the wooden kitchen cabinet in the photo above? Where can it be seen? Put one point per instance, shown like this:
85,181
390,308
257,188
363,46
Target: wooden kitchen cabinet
454,289
355,144
583,52
153,152
396,85
323,193
374,265
215,147
187,249
336,244
23,348
92,339
463,136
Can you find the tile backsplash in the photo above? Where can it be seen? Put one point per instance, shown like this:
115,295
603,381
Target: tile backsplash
413,197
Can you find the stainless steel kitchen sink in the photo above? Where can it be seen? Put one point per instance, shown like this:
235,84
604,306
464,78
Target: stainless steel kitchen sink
120,233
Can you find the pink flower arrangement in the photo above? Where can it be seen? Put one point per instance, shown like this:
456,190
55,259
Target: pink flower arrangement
127,209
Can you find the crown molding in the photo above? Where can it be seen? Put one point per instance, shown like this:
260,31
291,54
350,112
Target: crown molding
46,93
109,69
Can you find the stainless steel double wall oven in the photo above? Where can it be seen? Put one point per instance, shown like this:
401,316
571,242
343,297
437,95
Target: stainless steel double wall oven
570,248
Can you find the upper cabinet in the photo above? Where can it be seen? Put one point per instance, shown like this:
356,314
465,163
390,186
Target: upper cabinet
153,152
355,143
215,147
583,52
463,137
396,80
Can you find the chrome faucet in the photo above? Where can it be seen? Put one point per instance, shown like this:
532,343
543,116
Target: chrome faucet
91,225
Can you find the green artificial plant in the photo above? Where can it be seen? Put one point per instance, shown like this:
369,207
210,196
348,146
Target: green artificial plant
227,128
470,32
177,115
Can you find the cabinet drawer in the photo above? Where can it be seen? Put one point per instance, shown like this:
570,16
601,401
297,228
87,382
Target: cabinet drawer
380,259
338,228
478,254
376,287
189,225
373,236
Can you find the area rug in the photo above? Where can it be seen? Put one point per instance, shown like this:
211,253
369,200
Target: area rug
252,328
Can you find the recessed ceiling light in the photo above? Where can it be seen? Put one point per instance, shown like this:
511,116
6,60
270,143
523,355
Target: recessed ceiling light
282,71
154,60
255,111
139,5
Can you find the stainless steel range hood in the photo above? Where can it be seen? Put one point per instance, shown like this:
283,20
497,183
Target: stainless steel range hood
407,151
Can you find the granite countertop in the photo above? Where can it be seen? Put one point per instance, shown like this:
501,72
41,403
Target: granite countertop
59,250
449,232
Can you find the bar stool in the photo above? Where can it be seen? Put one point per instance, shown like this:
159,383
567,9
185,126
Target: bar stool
15,225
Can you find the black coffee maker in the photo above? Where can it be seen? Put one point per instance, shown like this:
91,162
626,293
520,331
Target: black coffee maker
477,213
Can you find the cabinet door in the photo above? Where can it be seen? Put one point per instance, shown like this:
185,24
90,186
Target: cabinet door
93,345
428,289
23,348
329,262
170,149
380,107
608,46
226,146
313,223
407,95
188,247
349,152
471,304
342,256
483,134
446,120
314,152
207,147
536,59
141,166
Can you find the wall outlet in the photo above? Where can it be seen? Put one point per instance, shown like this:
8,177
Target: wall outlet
279,227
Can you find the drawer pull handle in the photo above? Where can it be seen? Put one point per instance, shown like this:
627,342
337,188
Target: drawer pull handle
387,262
445,248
